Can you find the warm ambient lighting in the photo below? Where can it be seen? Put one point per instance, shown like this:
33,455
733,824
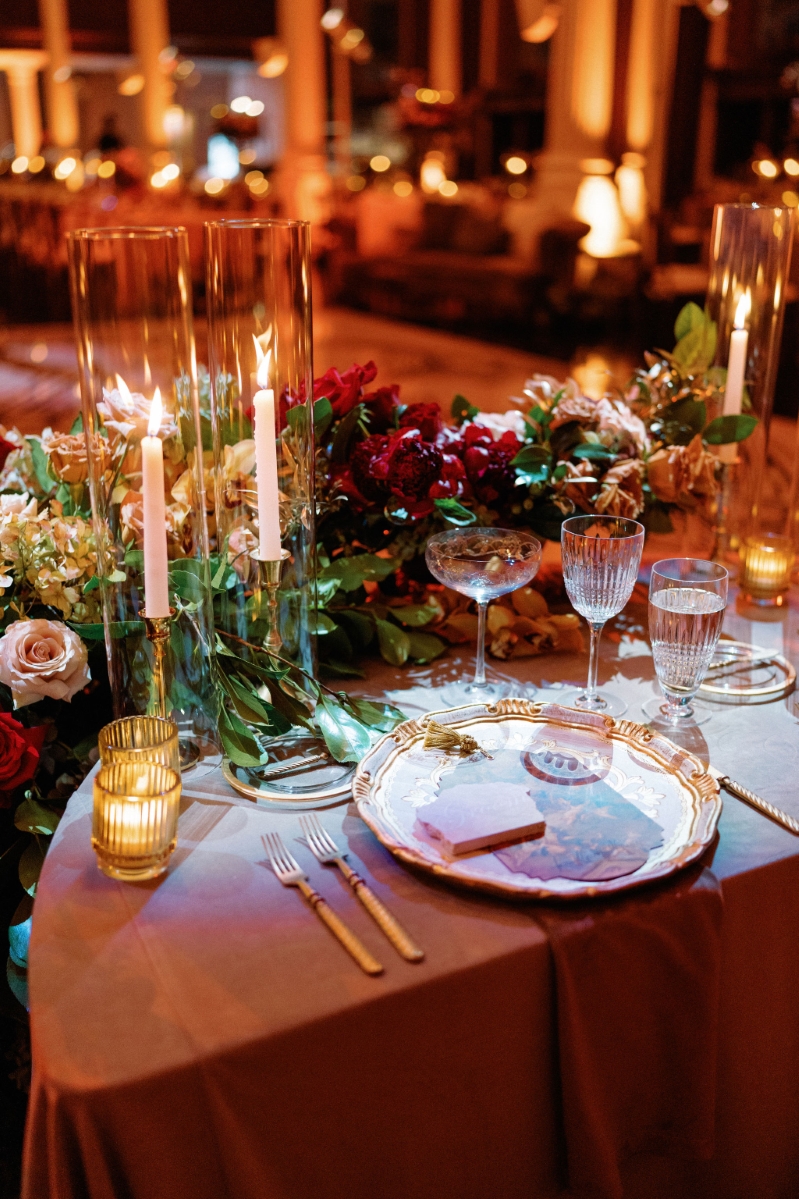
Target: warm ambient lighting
214,186
157,180
791,167
219,111
271,55
716,8
517,191
380,162
351,39
432,173
790,199
106,169
537,20
356,183
246,157
742,310
240,104
403,188
131,86
36,164
260,187
597,203
766,565
632,188
65,167
19,165
332,19
448,188
515,165
766,168
427,95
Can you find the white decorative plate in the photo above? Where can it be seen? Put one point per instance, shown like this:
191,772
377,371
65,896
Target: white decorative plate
623,805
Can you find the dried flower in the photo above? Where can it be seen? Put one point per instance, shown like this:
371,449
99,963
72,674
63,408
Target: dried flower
622,492
127,413
68,456
683,474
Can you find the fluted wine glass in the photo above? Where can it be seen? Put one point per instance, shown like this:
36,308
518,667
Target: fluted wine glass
687,598
601,556
483,564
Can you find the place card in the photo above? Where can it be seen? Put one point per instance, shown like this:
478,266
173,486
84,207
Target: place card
472,816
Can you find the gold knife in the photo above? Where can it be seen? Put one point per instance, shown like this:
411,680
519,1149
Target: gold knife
756,801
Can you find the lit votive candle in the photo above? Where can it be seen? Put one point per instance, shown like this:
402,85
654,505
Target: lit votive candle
135,821
766,564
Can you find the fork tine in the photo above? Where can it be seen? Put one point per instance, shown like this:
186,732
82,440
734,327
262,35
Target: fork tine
325,839
270,851
310,836
290,862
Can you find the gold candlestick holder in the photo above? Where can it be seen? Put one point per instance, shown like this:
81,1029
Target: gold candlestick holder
270,571
159,631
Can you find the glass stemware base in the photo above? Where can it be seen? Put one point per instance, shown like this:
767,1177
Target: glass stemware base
664,716
605,703
459,695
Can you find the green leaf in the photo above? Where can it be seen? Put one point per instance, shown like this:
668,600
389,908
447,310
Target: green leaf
415,615
237,741
116,576
322,419
696,337
329,668
93,583
341,439
683,420
725,429
395,645
297,418
425,646
251,708
351,573
41,464
30,866
187,585
594,453
455,512
560,472
690,317
33,817
531,456
462,410
77,425
360,628
345,736
320,623
383,717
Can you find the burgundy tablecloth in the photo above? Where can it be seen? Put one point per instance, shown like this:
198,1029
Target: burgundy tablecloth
204,1036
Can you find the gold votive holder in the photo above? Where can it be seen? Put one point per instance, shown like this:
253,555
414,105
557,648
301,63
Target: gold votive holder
766,565
135,739
135,822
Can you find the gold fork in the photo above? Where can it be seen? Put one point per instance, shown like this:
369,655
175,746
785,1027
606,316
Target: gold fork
325,850
291,874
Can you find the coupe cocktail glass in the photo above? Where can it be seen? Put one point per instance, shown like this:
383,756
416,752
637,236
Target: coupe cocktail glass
483,564
601,556
687,598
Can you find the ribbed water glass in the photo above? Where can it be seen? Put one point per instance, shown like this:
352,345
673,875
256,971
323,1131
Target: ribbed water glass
687,598
135,739
135,822
601,556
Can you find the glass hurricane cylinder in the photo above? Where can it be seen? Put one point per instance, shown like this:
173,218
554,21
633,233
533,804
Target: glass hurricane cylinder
750,250
131,295
259,338
135,739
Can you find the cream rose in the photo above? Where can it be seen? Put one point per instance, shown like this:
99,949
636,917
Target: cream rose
41,658
128,413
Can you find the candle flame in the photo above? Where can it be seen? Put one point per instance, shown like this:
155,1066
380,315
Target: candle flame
262,358
156,411
124,390
743,309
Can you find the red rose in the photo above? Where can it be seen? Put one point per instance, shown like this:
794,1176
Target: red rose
424,417
344,389
413,467
381,406
5,449
369,466
19,755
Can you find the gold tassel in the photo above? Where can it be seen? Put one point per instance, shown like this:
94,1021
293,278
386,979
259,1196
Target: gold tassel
438,736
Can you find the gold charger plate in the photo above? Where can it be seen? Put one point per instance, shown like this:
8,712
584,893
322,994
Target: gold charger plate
564,747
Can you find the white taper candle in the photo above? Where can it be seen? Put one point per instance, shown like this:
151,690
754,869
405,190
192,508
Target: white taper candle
156,566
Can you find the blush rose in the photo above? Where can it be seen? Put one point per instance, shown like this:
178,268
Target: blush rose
41,658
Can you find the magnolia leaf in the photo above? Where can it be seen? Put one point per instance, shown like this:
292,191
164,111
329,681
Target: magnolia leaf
696,337
320,623
116,576
395,645
30,866
359,627
530,456
325,590
343,435
331,668
345,736
251,708
690,317
594,453
383,717
33,817
424,647
462,410
237,741
77,425
93,583
351,573
455,512
41,465
414,615
322,418
725,429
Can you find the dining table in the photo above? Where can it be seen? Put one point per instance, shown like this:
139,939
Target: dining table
203,1035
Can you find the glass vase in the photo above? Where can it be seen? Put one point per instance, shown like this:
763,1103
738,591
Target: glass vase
750,258
259,315
131,296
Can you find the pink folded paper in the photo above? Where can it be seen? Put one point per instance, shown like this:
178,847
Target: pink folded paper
473,816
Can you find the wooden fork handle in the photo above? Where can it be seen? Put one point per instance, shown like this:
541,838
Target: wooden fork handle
355,948
382,916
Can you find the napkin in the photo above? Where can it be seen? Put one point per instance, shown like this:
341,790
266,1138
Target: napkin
637,982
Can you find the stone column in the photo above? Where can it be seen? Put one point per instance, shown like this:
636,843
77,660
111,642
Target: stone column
445,46
489,43
149,35
62,105
21,68
653,46
579,99
303,181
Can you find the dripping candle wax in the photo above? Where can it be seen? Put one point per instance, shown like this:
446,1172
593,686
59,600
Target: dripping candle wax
736,371
266,461
156,569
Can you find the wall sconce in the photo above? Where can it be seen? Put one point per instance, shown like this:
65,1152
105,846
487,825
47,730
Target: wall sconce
538,19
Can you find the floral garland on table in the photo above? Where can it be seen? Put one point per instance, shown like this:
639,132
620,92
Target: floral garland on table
390,475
